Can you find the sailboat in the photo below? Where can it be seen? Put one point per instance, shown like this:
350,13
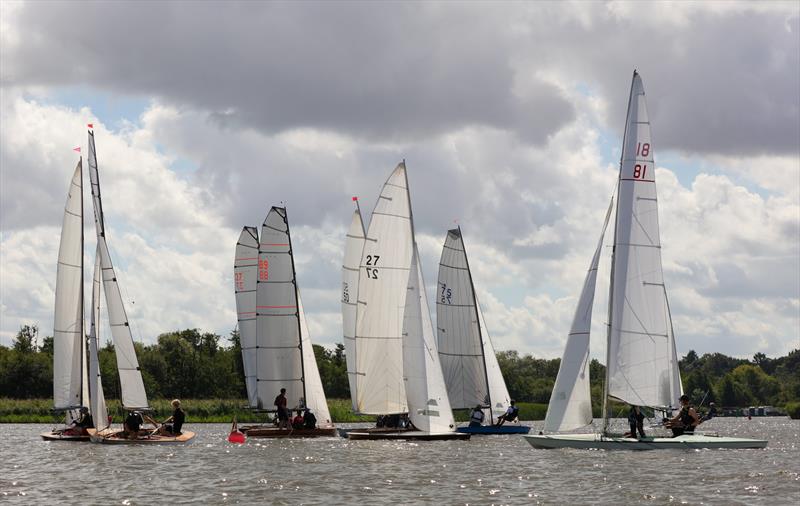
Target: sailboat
133,395
397,369
642,362
276,348
469,363
354,246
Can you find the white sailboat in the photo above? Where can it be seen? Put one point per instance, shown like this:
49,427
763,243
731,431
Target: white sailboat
642,364
351,266
280,354
468,360
133,395
397,364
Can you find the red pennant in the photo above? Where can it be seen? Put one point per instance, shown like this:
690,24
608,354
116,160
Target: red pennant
90,125
355,198
77,150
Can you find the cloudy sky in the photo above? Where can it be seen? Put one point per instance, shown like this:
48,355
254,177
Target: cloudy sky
509,116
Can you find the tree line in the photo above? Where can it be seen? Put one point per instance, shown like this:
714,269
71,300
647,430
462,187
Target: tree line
203,365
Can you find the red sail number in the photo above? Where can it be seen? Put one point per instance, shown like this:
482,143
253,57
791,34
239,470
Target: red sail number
263,270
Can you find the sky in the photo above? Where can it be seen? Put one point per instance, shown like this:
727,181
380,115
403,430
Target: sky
509,117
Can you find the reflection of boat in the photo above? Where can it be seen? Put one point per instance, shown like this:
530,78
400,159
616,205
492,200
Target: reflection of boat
469,364
276,347
397,366
75,386
642,364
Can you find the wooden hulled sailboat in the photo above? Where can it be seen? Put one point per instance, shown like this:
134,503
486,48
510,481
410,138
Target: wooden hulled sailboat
134,397
642,363
469,364
397,368
276,348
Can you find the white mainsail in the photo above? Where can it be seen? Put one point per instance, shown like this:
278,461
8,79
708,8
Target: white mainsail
570,404
315,394
130,377
245,271
642,369
354,246
96,397
465,349
68,332
428,404
382,288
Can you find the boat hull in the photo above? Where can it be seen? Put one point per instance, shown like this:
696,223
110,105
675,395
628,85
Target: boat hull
372,430
57,435
494,430
407,435
274,432
115,437
598,442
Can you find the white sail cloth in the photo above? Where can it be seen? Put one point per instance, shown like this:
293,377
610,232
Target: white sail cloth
641,360
354,246
68,333
467,356
130,377
382,288
315,394
428,405
96,396
570,404
245,272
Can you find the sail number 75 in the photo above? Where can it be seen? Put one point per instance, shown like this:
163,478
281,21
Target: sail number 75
372,272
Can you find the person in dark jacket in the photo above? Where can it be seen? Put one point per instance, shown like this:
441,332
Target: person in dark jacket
686,419
636,421
172,426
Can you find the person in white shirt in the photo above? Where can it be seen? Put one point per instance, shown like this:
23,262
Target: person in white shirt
476,418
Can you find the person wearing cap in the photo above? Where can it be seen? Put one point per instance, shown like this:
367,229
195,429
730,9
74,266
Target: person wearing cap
476,417
510,415
712,412
686,419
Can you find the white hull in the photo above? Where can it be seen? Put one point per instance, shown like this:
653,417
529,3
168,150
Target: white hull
598,442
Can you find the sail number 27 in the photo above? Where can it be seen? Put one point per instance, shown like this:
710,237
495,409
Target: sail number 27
372,272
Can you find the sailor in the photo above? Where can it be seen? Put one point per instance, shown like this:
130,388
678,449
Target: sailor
132,424
510,415
712,412
476,417
85,421
283,413
172,425
297,421
686,419
310,421
636,421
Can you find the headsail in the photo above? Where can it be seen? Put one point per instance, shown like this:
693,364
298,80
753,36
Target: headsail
245,271
96,396
279,362
428,404
641,361
130,377
315,394
68,332
354,246
465,350
570,404
382,288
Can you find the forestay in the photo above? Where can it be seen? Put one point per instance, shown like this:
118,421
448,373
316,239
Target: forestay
279,361
570,404
130,377
382,287
96,396
354,246
641,359
428,405
245,272
68,333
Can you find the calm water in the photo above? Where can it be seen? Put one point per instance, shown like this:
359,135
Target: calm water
485,470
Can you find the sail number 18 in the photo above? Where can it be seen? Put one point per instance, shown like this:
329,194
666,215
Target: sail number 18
640,169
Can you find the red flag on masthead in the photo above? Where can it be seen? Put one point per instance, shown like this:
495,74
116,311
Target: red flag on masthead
355,199
90,125
77,150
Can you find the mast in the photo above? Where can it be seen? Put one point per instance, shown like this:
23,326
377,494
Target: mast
83,297
480,334
297,309
613,254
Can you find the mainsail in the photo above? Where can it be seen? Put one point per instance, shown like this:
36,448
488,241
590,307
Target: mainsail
68,332
570,404
382,288
465,350
245,271
130,377
354,246
428,405
642,369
